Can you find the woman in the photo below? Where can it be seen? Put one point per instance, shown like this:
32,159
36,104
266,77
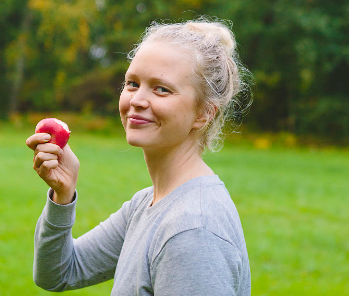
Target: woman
183,235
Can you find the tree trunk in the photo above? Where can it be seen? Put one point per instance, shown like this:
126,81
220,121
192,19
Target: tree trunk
20,64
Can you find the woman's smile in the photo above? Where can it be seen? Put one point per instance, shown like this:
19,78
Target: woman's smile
138,120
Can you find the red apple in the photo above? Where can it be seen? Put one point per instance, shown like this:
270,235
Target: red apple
58,130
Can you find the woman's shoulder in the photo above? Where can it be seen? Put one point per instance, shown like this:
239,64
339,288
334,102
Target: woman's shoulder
139,199
206,195
203,202
142,194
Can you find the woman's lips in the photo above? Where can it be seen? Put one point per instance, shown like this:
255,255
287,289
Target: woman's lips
138,120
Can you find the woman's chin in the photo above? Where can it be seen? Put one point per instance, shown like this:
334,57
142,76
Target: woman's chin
136,142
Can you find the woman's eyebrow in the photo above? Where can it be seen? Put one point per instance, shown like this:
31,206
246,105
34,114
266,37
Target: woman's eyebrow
129,74
152,80
165,82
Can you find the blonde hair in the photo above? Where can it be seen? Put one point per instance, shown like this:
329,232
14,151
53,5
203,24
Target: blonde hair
222,90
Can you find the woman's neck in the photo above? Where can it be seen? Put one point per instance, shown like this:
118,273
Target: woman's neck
172,168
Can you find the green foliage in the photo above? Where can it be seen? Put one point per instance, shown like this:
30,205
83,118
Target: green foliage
71,55
328,116
294,216
299,52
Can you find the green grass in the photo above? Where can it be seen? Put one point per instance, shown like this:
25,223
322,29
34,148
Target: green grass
293,204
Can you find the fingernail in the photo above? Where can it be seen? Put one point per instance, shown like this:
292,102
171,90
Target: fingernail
47,137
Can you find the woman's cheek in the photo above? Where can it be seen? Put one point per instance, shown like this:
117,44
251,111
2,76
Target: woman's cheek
124,103
123,108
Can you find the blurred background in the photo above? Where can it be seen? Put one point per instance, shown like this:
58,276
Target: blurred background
287,170
70,56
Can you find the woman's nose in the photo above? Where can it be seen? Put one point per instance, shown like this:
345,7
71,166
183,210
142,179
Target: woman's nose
139,99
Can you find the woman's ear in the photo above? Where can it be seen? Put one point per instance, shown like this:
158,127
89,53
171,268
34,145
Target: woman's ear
205,118
200,121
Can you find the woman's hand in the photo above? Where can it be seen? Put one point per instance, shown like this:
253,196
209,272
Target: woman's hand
57,167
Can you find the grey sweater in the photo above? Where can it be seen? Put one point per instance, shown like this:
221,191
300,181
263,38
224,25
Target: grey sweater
189,243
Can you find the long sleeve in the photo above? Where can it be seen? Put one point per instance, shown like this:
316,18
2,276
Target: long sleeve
63,263
197,262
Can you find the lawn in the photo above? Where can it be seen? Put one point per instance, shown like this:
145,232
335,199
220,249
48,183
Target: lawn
293,204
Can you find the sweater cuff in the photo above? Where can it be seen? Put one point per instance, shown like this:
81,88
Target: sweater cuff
60,216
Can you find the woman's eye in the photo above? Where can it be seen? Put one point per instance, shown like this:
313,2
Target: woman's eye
162,90
132,84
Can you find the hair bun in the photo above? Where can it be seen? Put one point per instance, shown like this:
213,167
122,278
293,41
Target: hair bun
217,32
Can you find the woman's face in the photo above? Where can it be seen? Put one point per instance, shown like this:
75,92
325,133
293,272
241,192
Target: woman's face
158,105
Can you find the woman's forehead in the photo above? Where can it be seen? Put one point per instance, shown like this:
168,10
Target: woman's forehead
161,58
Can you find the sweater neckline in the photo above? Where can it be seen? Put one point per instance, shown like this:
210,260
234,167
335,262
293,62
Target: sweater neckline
175,192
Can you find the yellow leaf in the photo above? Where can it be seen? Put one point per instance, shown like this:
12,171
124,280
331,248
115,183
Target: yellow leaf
262,143
39,4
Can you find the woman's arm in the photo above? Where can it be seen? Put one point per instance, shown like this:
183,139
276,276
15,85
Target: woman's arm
60,262
63,263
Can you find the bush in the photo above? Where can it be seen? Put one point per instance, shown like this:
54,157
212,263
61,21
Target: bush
326,117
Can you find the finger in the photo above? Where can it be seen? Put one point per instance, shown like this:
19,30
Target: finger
45,168
36,139
41,157
48,148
